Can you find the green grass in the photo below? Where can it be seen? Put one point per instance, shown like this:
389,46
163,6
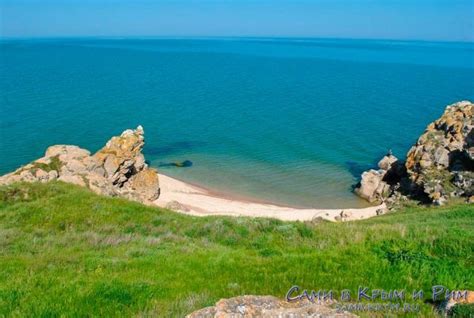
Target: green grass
65,251
463,311
54,164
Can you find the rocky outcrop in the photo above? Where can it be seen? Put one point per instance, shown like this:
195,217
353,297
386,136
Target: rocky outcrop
441,162
439,166
118,169
375,185
266,307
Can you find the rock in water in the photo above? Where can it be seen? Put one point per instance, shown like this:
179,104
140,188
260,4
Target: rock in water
375,185
439,166
183,164
266,307
387,162
372,187
118,169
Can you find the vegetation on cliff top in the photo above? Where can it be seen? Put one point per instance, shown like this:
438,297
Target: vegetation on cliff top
66,251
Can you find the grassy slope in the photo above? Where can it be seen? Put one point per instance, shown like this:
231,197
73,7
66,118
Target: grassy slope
66,250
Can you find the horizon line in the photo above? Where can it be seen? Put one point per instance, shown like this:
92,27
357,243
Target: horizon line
216,37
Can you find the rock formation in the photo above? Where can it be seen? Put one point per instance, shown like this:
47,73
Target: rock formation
442,160
118,169
375,185
266,307
439,166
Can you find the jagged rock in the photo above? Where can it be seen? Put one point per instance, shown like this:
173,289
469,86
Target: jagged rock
121,157
100,185
440,165
387,162
144,185
375,184
266,307
464,182
371,185
444,147
117,169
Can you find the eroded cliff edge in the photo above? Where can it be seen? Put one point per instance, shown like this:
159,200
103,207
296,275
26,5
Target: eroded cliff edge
438,167
118,169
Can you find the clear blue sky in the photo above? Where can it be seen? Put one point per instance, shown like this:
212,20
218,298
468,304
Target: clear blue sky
395,19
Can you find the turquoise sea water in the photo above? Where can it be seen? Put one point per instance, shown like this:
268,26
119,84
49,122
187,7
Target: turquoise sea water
283,120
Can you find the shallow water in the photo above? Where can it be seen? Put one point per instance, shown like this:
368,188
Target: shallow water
288,121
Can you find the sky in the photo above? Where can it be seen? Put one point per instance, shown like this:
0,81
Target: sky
444,20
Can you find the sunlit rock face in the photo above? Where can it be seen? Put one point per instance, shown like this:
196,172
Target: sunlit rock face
442,160
118,169
439,166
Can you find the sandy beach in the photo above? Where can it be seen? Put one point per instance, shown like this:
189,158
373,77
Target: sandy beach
193,200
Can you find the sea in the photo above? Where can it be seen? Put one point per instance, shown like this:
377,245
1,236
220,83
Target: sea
292,121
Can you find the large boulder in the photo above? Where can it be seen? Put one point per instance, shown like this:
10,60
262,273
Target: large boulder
142,186
266,307
372,187
122,156
376,185
387,162
118,169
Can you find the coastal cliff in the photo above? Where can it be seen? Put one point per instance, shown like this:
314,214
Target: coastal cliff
118,169
439,166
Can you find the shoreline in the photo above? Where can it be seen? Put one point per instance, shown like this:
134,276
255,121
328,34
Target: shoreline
232,196
191,199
